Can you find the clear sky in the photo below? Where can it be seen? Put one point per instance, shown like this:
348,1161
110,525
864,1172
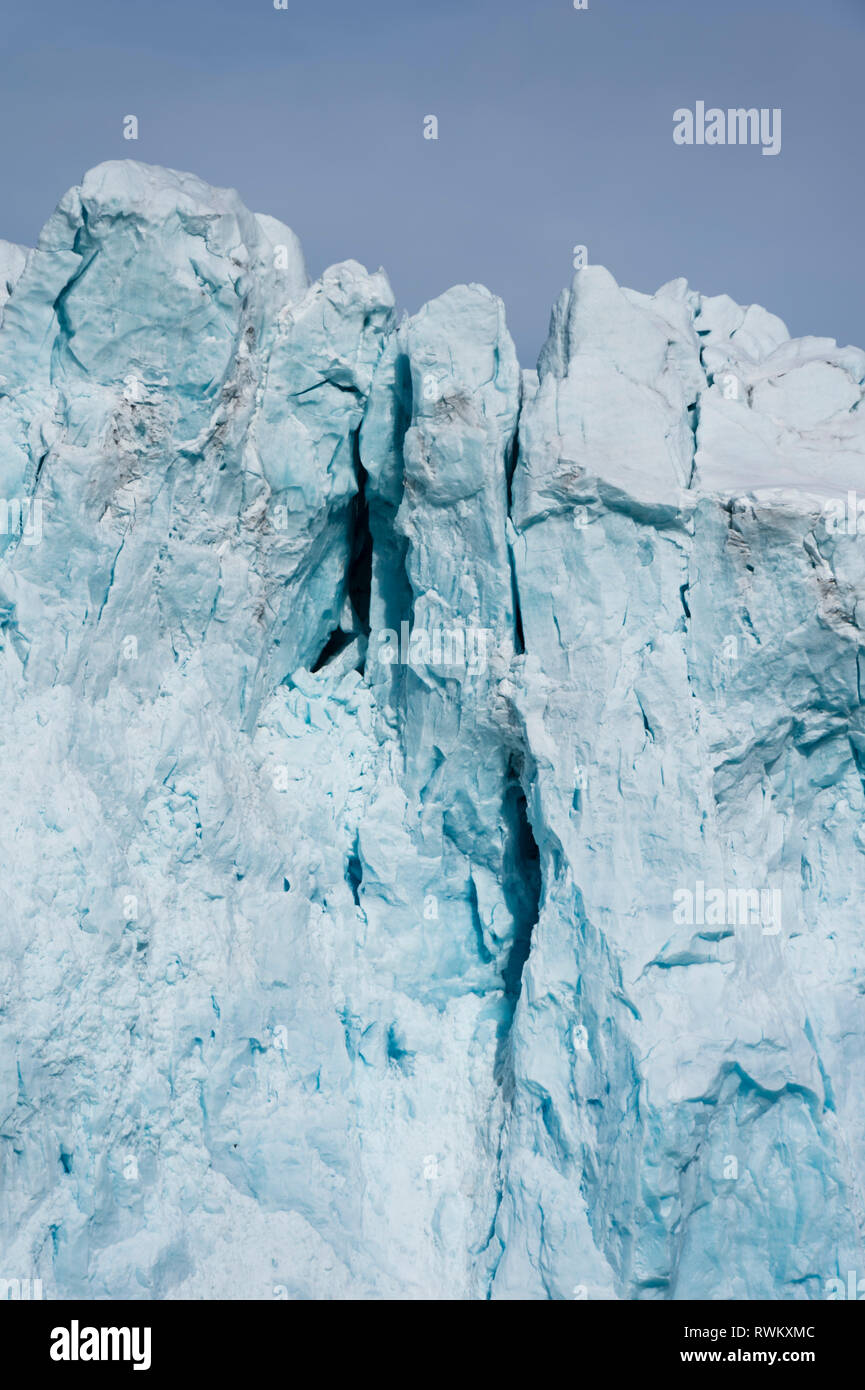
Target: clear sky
555,128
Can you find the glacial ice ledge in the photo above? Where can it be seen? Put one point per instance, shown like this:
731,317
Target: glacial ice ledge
393,745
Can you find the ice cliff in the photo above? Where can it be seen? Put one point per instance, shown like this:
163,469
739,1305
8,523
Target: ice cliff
432,834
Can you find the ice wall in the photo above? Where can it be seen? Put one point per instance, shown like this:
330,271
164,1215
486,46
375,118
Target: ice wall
433,834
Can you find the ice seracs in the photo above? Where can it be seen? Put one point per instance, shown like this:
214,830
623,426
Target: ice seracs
331,968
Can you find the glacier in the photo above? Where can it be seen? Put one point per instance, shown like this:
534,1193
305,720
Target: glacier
433,831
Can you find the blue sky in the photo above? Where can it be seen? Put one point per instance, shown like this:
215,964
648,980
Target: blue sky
555,128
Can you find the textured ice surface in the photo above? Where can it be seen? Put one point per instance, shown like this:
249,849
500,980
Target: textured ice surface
432,830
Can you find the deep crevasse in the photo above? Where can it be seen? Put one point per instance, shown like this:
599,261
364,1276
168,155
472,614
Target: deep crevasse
329,974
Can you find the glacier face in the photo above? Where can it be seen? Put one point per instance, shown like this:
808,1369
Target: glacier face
433,834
